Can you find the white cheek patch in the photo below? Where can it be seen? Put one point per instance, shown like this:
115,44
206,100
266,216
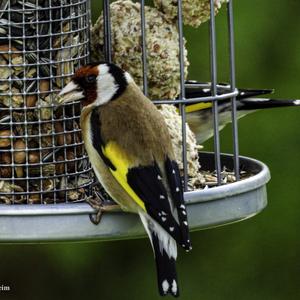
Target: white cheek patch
128,77
106,85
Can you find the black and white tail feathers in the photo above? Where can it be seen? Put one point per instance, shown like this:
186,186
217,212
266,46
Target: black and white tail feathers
166,269
265,103
164,238
196,89
165,254
164,217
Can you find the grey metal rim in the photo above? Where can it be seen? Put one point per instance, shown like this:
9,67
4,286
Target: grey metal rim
70,222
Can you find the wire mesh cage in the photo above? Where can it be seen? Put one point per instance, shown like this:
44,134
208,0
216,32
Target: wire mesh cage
42,157
41,151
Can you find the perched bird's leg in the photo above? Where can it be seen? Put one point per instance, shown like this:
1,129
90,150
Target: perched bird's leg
97,203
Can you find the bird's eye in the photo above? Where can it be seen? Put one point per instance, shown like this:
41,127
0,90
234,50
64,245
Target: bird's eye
90,78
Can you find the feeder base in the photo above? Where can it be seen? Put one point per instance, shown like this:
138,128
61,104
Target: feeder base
70,222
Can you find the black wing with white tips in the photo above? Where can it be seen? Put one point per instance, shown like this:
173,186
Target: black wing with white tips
176,190
147,183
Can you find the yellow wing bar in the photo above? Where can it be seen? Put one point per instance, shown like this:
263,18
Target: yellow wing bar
196,107
122,162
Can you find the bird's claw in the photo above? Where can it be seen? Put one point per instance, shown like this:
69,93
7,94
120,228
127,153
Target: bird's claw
97,202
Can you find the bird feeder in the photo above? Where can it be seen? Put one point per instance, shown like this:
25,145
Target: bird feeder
45,175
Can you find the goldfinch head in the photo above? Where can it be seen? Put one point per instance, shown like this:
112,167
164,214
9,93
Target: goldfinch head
95,84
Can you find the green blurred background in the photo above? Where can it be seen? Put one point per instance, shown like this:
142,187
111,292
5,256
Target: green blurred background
254,259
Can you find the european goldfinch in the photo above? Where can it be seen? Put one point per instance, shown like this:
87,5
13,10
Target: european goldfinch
130,149
199,115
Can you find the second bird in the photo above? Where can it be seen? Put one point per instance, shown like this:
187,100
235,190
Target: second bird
200,117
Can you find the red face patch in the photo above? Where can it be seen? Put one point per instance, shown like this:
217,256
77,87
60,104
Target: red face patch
86,78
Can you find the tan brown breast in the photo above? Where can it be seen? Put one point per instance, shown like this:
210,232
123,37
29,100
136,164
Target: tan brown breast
133,122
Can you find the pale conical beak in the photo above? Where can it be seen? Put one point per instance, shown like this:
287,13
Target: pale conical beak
71,92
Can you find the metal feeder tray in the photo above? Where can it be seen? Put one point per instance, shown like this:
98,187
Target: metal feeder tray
206,209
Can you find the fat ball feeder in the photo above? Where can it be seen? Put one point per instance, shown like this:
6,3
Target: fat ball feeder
45,176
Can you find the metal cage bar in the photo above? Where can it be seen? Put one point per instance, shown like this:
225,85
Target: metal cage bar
182,95
107,30
214,80
144,50
233,88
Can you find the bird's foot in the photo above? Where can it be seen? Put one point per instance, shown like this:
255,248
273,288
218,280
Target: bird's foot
97,202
